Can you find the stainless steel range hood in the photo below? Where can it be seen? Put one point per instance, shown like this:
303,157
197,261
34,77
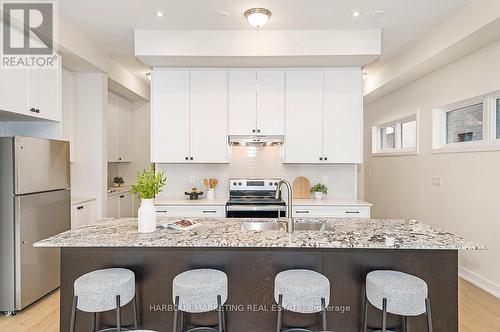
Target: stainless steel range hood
256,140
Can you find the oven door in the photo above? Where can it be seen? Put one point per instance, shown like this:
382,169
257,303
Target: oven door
255,211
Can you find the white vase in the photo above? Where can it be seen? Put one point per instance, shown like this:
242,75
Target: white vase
147,216
318,195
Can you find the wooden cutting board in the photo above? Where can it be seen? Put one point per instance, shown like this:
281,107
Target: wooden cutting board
301,187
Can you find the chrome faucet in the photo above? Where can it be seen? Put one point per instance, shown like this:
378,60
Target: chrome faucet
290,224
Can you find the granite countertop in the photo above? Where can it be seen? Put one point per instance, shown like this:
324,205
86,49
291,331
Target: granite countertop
342,233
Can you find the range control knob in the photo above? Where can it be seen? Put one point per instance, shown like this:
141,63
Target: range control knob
270,183
234,183
239,183
276,183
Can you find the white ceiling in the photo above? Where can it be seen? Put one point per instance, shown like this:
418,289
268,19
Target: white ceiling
112,22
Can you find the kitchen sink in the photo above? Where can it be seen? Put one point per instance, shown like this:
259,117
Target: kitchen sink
275,225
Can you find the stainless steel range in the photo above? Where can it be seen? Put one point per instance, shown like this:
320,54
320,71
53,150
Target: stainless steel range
254,198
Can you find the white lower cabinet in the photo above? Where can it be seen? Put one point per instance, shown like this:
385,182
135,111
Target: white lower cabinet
310,211
121,205
198,211
82,214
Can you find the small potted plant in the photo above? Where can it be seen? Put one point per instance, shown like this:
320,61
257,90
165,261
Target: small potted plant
118,181
147,186
319,190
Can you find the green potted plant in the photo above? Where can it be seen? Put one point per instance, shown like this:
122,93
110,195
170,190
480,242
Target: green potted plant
319,190
147,186
118,181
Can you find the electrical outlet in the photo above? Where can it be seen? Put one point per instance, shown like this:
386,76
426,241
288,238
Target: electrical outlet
437,181
325,179
192,179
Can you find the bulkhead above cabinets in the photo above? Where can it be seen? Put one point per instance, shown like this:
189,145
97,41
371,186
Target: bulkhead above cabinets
318,111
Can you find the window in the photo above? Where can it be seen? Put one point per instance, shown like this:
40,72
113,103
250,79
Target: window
465,124
470,125
396,137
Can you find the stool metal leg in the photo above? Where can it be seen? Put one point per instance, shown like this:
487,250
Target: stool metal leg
279,325
181,313
405,324
73,314
219,312
176,309
135,312
428,313
94,327
118,315
365,315
384,315
323,314
223,318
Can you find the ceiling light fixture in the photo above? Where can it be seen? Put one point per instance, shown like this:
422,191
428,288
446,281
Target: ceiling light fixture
159,14
222,14
257,17
356,14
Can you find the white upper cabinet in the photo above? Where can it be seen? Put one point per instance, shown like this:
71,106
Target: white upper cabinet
324,111
118,128
44,93
242,102
343,119
304,116
208,116
189,116
270,101
170,115
256,102
33,92
14,91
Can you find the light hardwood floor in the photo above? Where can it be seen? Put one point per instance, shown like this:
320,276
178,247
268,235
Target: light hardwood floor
478,311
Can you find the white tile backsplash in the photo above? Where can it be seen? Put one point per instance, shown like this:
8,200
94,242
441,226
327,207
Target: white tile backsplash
257,162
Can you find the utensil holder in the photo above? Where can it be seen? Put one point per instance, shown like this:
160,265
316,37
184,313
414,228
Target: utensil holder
211,194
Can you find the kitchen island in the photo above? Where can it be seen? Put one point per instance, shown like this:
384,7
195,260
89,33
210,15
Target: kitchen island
344,251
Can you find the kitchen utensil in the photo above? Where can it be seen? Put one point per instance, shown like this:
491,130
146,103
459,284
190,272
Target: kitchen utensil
301,187
213,183
206,183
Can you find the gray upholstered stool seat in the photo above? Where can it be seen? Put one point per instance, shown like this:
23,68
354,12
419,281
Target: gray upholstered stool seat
104,290
302,290
397,293
198,290
405,293
97,290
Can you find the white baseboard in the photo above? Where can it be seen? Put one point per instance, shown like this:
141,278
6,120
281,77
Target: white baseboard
479,281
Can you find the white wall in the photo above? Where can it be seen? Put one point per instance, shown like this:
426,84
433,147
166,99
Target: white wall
256,162
468,201
89,171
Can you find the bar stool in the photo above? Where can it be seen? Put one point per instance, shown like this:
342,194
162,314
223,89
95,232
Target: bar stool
103,290
198,291
397,293
301,291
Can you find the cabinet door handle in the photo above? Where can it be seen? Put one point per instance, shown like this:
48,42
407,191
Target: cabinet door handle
187,158
80,207
352,212
37,110
253,130
191,158
326,158
209,211
34,110
320,158
258,130
122,196
120,158
301,211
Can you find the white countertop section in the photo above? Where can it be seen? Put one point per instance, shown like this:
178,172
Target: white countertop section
187,201
80,200
113,191
331,202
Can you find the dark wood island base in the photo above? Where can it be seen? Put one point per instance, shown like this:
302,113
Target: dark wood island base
251,306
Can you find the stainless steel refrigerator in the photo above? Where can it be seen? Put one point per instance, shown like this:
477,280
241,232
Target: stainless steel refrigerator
35,204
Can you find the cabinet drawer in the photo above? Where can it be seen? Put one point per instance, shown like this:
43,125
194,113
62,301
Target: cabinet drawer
200,211
309,211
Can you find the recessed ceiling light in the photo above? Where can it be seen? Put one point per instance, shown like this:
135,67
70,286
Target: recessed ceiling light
159,14
257,17
355,14
222,14
378,13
